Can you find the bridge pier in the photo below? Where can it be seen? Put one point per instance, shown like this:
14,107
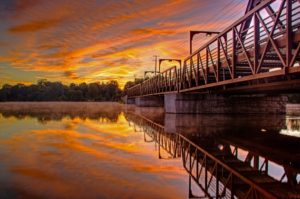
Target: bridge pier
149,101
225,104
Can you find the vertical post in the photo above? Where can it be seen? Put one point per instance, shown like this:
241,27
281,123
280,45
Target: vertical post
159,63
218,60
233,52
170,79
206,67
155,69
180,76
191,42
198,69
191,70
256,162
140,89
226,53
190,187
205,169
197,165
288,34
267,166
256,40
217,182
226,44
177,77
159,156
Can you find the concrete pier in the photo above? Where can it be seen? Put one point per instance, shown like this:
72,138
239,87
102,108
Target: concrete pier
150,101
221,104
177,103
127,100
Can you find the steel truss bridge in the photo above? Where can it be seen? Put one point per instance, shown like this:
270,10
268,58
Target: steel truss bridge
259,52
215,167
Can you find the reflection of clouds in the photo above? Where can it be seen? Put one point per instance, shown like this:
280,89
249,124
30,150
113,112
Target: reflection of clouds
84,158
292,127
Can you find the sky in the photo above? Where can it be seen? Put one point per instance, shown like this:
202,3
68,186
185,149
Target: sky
99,40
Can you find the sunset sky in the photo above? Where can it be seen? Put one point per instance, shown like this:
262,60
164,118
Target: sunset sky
100,40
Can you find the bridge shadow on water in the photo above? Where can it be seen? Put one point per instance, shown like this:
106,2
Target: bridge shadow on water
228,156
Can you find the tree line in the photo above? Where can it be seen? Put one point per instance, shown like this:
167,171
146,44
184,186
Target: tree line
56,91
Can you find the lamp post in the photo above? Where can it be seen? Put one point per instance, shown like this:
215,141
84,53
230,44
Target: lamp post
148,71
195,32
169,60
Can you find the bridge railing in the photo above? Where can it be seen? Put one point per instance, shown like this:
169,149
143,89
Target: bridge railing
269,47
235,53
163,82
134,91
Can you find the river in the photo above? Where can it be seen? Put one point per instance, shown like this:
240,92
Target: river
104,150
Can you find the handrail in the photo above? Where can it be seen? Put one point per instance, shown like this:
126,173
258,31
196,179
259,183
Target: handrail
259,7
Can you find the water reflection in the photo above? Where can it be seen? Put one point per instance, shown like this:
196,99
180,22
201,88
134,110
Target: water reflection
80,158
252,145
292,127
104,150
45,112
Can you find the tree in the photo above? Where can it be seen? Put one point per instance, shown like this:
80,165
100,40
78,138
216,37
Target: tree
55,91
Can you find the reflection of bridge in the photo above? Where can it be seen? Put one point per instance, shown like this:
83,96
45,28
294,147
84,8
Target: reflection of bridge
217,167
257,53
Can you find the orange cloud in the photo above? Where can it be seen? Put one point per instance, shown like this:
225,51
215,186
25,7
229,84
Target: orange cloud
34,26
86,41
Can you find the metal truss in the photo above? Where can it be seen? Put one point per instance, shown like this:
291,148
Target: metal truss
261,47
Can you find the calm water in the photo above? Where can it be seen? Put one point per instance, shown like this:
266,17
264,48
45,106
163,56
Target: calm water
101,150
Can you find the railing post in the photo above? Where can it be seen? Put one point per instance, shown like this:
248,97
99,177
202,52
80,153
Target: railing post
198,69
256,40
205,169
233,52
191,75
217,181
289,35
190,187
170,79
218,60
206,67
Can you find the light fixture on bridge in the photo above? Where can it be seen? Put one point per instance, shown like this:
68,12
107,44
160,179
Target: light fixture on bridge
169,60
195,32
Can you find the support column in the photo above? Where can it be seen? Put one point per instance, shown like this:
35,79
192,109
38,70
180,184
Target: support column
149,101
127,100
222,104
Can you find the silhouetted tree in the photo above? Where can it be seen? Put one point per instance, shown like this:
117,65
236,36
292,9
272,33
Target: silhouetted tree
56,91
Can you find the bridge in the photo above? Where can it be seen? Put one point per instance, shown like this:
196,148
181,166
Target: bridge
239,68
216,166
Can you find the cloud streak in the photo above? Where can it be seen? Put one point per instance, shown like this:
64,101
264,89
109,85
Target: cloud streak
102,40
